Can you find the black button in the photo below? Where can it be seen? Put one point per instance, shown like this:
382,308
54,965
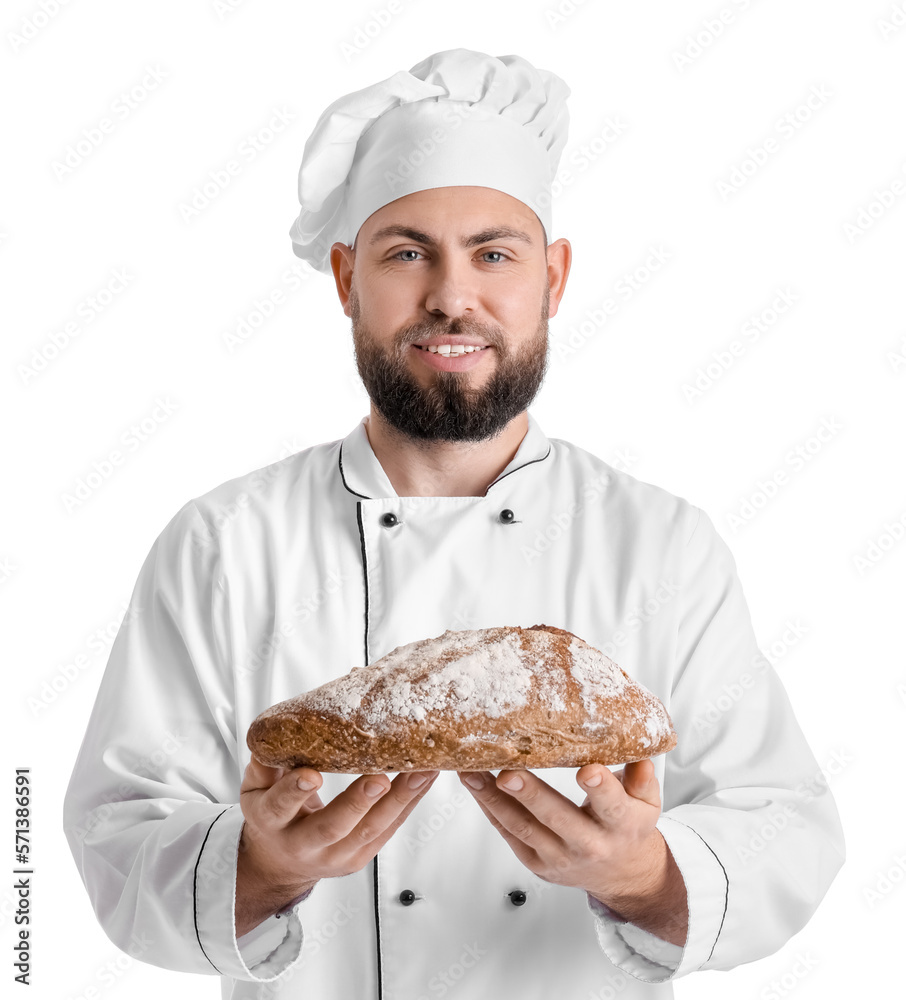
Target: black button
407,897
506,516
517,897
389,520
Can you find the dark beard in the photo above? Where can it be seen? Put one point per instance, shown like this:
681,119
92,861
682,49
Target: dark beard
447,410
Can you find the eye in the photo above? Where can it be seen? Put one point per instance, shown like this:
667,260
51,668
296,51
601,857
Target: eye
495,253
399,255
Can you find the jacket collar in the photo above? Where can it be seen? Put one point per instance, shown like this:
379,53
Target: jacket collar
364,476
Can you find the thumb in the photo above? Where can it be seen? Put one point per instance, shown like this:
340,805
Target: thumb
258,775
640,782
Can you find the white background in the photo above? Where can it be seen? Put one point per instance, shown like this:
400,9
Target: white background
826,552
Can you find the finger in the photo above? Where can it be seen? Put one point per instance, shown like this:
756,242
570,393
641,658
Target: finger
277,805
336,821
258,775
640,782
527,855
309,781
607,798
391,811
558,813
534,813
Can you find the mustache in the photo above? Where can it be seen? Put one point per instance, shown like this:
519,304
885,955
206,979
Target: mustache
458,326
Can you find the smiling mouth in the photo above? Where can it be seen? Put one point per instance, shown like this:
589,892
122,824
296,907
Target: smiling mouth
451,350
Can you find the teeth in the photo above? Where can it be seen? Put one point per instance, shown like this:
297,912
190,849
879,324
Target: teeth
452,350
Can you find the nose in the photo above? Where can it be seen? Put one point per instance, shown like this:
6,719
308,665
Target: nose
452,290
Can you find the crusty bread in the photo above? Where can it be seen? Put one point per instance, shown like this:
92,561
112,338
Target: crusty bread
480,699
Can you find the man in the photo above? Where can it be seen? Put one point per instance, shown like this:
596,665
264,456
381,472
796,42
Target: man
427,198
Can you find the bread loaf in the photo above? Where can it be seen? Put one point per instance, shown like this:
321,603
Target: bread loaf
480,699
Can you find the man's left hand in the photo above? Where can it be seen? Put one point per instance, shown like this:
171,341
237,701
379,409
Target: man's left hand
609,846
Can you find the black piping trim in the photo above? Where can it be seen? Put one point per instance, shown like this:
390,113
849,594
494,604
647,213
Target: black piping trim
496,481
726,879
343,477
195,891
375,881
358,515
377,931
518,467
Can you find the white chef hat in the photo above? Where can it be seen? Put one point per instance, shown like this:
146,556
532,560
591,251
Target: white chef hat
456,118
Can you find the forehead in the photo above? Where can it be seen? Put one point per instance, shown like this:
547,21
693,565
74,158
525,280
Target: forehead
451,213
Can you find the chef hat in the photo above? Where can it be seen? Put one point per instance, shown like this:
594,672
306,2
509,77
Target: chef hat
456,118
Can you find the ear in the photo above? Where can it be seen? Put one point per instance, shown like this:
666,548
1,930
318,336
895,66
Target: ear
342,260
559,261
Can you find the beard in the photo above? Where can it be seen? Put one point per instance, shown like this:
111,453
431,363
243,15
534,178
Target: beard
449,409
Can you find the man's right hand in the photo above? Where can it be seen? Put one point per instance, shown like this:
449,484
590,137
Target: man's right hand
291,839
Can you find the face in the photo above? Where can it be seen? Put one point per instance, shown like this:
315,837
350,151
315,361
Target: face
453,268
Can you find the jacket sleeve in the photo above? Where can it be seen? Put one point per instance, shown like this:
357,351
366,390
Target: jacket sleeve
747,813
151,811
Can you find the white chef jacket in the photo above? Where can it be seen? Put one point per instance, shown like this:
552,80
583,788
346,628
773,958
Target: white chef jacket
289,576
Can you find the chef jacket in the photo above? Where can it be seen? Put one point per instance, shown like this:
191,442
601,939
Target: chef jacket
287,577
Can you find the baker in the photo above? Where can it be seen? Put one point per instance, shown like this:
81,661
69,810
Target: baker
427,198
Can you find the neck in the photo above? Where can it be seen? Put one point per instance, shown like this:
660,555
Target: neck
418,468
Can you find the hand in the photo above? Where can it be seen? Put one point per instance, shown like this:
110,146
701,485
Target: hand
291,839
609,846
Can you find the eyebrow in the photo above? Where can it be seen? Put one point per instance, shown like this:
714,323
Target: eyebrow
475,240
